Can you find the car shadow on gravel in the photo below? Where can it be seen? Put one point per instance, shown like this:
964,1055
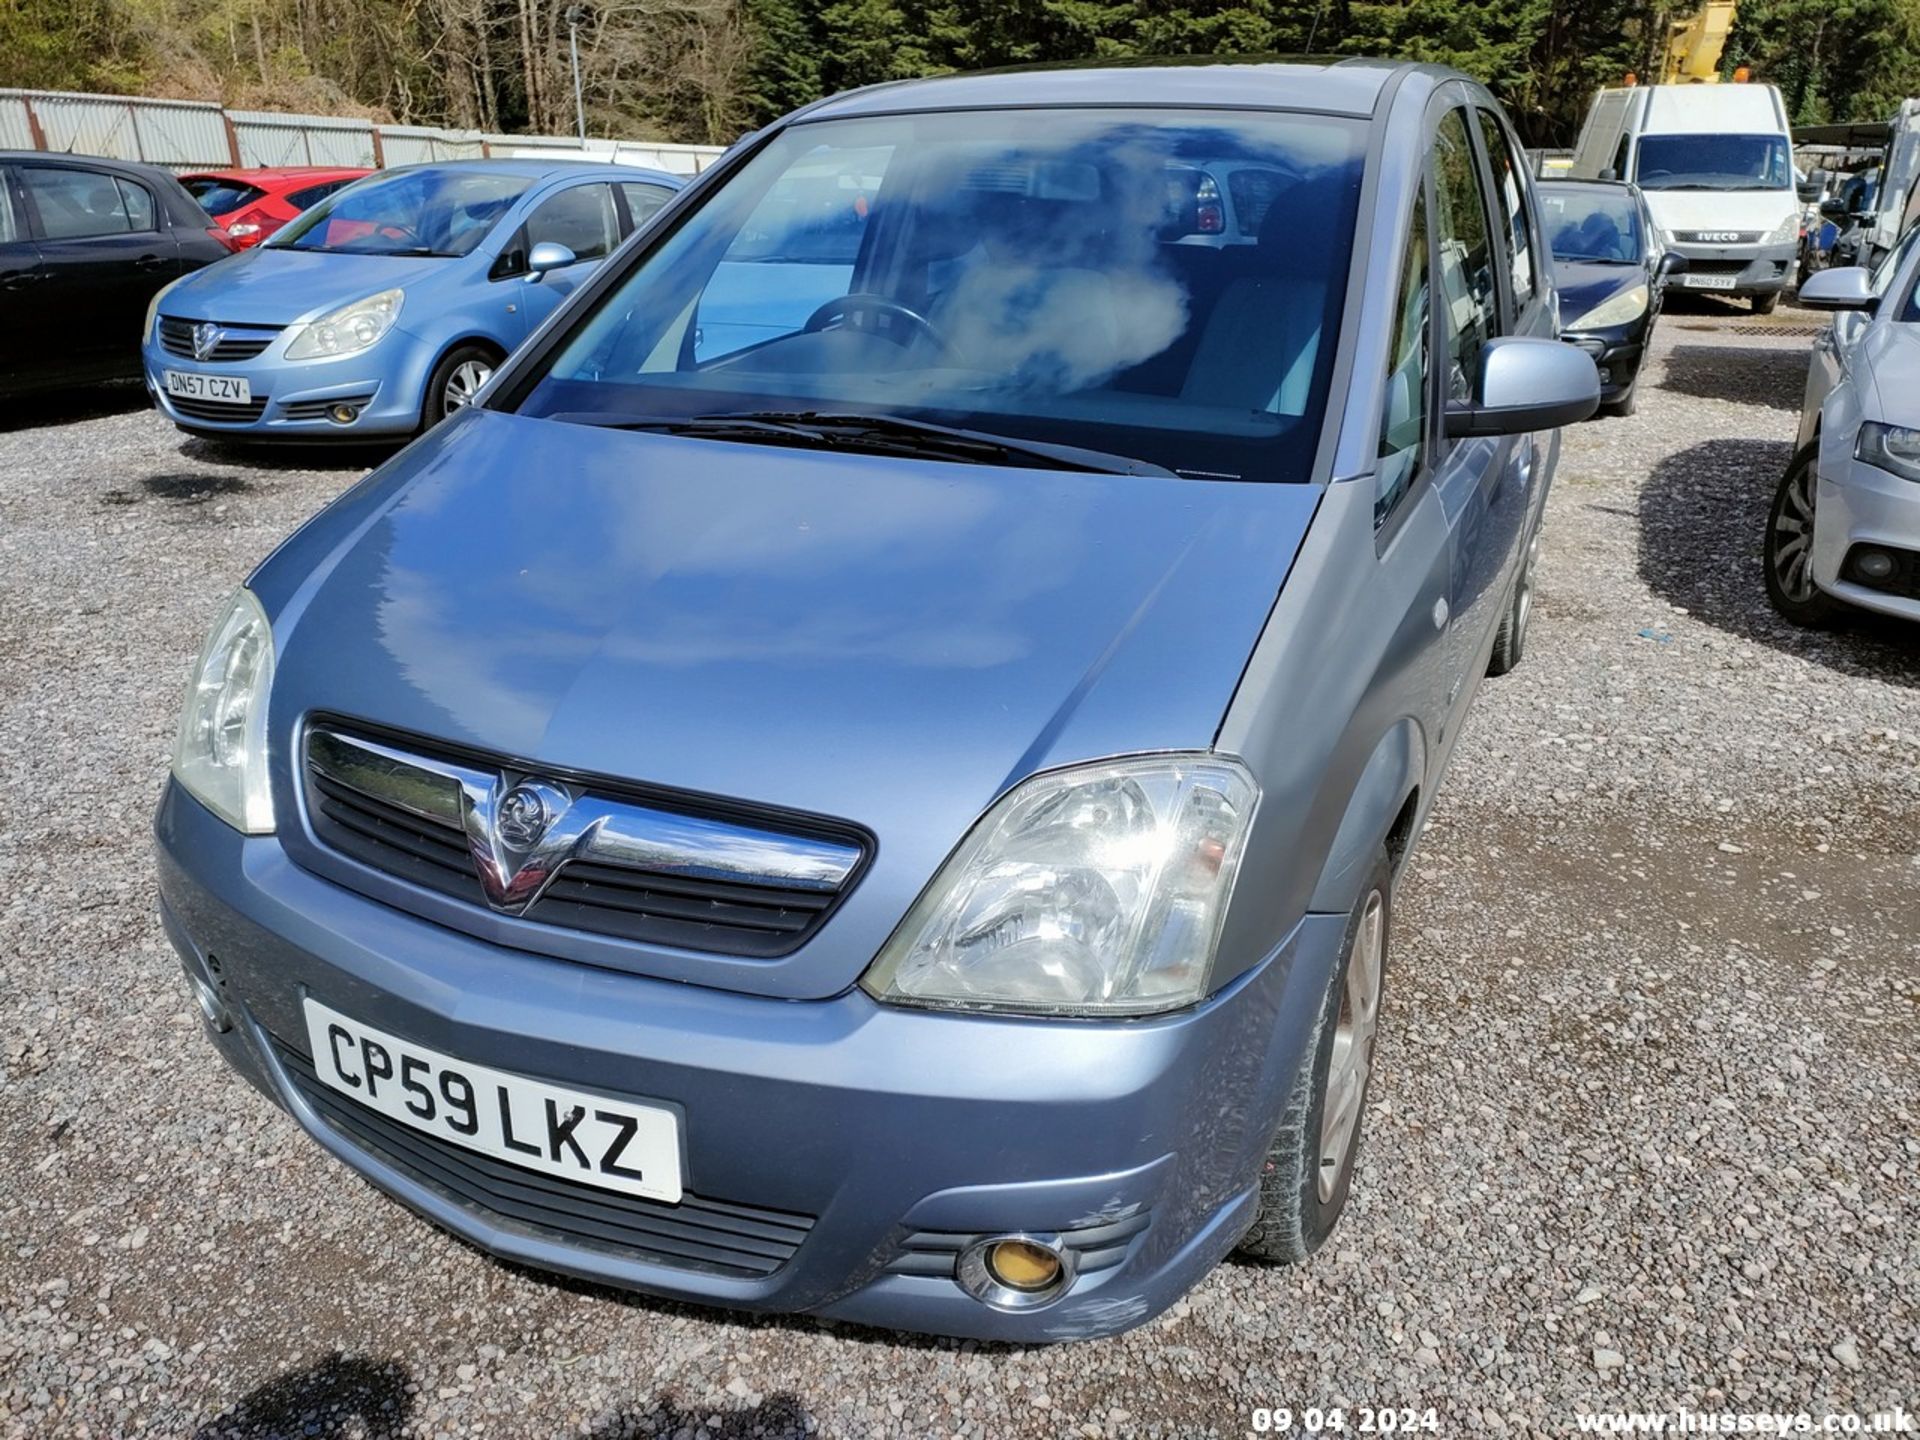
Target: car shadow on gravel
1703,516
345,1395
337,1396
239,455
1739,374
69,407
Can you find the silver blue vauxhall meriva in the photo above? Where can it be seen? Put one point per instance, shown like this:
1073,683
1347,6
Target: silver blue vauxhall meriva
892,811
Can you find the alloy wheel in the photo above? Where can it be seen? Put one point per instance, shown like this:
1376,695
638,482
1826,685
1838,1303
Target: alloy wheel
1353,1034
464,383
1793,537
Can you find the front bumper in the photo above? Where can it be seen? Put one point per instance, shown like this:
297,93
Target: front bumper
872,1126
1736,269
1616,355
1861,504
292,399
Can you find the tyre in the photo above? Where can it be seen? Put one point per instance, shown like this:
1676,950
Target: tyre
1624,406
1510,644
1766,304
455,381
1309,1167
1789,548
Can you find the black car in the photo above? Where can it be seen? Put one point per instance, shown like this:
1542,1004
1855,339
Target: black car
1610,274
84,245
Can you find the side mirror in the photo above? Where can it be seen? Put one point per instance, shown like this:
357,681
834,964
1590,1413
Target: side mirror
548,255
1808,191
1608,173
1848,287
1834,209
1528,383
1672,263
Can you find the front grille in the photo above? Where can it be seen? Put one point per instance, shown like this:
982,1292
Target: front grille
659,906
937,1253
1712,267
318,409
718,1237
223,411
240,342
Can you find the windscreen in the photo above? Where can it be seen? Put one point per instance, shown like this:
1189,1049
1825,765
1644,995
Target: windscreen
1060,276
1714,162
410,212
1592,226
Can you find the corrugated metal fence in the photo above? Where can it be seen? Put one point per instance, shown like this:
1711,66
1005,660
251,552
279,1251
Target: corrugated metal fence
187,135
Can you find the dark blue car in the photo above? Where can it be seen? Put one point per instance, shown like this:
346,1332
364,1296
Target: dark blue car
889,807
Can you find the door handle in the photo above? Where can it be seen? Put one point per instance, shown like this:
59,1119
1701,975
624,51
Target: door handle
19,279
149,262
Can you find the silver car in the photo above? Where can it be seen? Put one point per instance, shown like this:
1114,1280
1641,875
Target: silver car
1844,530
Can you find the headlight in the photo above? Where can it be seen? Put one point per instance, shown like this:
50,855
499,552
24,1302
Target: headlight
349,329
1098,890
221,753
1787,230
1893,448
1627,306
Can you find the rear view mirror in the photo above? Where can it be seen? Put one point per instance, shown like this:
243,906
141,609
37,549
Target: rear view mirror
1528,383
1846,287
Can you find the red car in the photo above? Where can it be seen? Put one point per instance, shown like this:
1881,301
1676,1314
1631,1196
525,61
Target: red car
250,205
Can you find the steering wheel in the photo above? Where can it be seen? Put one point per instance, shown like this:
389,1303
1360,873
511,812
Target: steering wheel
847,306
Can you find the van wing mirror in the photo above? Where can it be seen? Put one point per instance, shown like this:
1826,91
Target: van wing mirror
1528,383
1845,287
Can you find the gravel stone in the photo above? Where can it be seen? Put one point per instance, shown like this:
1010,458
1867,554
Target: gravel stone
1645,1066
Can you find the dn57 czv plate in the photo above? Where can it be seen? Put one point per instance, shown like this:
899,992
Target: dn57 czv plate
591,1139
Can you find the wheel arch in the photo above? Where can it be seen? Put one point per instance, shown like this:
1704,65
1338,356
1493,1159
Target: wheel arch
1384,808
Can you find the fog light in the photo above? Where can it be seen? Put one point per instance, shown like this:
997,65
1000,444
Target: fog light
343,414
1873,564
1016,1272
1023,1265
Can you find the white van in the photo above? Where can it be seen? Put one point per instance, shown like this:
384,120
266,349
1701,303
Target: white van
1716,165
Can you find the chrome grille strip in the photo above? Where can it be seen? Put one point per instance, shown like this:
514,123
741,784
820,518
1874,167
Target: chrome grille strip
586,826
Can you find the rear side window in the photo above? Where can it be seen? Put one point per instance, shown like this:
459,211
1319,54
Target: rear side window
314,194
1468,291
221,197
1403,420
581,219
77,204
643,200
10,228
139,206
1510,200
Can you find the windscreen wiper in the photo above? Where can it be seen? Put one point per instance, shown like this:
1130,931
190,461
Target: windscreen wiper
884,434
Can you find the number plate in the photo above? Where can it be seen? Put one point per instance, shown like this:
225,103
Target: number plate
1708,282
226,389
591,1139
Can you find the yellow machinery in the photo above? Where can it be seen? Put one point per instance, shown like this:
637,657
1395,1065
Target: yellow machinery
1694,45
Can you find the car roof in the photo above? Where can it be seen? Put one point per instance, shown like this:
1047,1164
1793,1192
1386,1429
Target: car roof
277,172
62,157
1349,86
536,169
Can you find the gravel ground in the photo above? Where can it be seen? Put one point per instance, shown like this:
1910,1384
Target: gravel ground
1645,1132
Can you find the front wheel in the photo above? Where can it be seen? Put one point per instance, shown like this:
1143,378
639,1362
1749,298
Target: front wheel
1789,549
1766,304
1309,1168
1510,644
455,381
